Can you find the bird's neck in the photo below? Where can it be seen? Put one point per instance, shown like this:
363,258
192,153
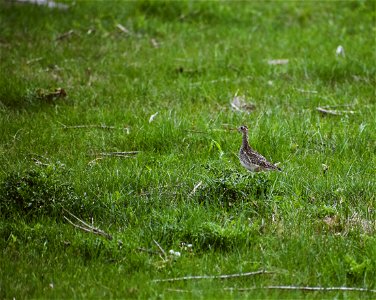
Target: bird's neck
245,140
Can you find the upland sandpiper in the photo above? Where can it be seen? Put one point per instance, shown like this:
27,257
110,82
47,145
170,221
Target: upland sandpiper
250,159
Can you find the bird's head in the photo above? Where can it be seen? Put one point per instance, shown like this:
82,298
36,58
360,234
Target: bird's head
243,129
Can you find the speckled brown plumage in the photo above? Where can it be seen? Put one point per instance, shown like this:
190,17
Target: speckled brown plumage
250,159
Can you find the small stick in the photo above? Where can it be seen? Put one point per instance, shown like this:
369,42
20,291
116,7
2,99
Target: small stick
154,43
195,188
327,111
39,163
306,91
117,155
38,155
95,160
334,112
65,35
123,153
278,61
102,126
86,227
123,29
179,290
152,117
226,276
102,155
304,288
160,249
33,60
87,126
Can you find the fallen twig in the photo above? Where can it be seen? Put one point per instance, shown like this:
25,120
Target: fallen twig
304,288
160,249
278,61
102,126
195,188
65,35
33,60
94,161
102,155
226,276
123,29
119,154
39,163
152,117
86,227
307,91
51,95
155,43
179,290
328,111
37,159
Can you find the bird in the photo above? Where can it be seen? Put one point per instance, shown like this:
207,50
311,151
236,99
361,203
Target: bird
251,159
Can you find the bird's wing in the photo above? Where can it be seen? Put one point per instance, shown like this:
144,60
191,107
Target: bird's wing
267,165
263,162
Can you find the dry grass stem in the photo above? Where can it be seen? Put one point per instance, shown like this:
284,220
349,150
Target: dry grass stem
195,188
39,163
123,29
306,91
152,117
119,154
94,126
94,161
65,35
102,155
226,276
328,111
179,290
154,43
160,249
86,227
34,60
278,62
304,288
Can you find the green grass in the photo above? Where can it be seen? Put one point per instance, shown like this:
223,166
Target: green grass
307,226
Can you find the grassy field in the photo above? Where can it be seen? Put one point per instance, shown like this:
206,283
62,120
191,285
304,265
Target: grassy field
79,84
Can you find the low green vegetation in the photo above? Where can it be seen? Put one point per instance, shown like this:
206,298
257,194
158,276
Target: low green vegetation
119,117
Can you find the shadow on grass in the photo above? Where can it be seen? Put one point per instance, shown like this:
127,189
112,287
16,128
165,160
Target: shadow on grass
41,192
